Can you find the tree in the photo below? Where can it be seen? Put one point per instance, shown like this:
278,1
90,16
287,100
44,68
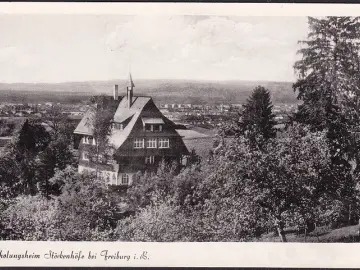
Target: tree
159,222
27,143
286,183
84,208
257,117
57,156
329,86
58,123
329,81
101,115
31,138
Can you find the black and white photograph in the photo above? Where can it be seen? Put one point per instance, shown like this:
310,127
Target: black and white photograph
179,128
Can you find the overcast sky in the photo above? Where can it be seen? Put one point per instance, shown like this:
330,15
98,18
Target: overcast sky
57,48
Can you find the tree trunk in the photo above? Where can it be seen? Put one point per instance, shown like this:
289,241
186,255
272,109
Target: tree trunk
280,229
349,218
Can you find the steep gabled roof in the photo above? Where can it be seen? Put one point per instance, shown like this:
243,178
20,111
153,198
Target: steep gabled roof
118,137
85,127
123,111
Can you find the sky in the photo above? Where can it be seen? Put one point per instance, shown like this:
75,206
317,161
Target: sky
59,48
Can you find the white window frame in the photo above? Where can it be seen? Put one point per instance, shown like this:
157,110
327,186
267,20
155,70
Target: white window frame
118,126
139,143
114,179
83,154
151,143
125,179
86,140
149,159
164,143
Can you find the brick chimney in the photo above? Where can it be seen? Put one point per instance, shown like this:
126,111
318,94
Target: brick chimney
116,92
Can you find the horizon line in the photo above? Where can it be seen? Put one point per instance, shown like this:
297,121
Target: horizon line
151,79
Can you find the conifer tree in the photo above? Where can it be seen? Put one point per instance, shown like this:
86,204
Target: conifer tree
329,86
329,79
257,120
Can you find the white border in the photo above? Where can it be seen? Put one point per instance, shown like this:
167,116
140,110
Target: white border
220,9
191,254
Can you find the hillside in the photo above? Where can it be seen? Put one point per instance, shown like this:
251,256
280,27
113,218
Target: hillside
165,91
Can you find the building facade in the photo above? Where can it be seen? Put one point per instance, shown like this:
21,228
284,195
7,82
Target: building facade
141,137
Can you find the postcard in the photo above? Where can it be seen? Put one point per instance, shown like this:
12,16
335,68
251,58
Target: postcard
168,134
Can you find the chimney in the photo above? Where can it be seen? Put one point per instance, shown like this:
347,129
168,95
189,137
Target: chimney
116,92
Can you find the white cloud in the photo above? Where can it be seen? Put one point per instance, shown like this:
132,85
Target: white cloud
192,47
215,41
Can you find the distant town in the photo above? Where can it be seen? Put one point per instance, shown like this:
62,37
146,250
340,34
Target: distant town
202,116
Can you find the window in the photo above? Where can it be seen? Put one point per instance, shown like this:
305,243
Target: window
149,127
164,143
118,126
114,178
150,160
85,156
158,128
151,143
125,179
139,143
86,139
89,140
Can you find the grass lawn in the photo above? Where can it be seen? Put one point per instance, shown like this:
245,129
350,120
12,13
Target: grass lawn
346,234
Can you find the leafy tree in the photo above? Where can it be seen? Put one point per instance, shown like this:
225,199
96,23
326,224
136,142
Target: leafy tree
83,210
287,179
28,218
159,222
31,138
257,120
101,115
9,177
55,157
86,208
58,123
26,144
146,185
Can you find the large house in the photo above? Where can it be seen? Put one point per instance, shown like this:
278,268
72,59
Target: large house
141,137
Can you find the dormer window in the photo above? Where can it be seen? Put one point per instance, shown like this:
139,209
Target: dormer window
86,140
158,128
153,124
89,140
118,126
148,127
